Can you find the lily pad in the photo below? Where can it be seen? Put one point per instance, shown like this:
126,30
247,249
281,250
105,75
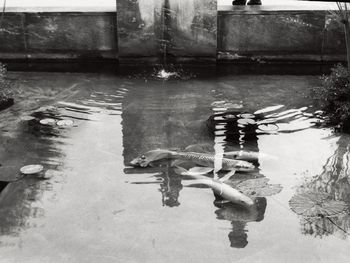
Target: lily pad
268,121
316,204
246,122
258,187
32,169
247,116
268,127
27,118
65,123
47,121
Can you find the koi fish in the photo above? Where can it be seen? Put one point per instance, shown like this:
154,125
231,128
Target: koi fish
218,186
203,159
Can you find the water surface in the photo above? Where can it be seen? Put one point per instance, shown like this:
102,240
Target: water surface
96,208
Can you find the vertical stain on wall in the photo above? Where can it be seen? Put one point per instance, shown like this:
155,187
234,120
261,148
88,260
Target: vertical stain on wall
187,27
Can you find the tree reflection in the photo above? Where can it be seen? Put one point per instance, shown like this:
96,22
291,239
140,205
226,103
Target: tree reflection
239,217
333,181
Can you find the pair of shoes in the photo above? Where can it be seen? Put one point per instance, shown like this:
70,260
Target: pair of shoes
243,2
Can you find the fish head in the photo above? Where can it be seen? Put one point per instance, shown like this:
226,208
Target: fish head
140,161
145,159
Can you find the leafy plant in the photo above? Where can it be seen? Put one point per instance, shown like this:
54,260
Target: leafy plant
333,96
343,16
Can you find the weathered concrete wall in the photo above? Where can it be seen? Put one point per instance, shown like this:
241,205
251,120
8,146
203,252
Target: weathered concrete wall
172,28
193,28
279,35
248,36
58,36
139,28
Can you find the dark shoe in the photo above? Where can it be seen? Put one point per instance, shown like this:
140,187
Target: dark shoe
239,2
254,2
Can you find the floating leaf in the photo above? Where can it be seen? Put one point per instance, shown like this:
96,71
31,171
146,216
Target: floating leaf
258,187
32,169
268,127
27,118
269,109
246,122
65,123
267,121
247,116
311,204
48,121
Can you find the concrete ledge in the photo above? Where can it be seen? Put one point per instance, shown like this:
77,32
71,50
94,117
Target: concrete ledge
244,35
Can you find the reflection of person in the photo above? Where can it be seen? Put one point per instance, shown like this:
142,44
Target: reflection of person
239,218
243,2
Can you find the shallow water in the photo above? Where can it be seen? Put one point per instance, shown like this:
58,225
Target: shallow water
96,208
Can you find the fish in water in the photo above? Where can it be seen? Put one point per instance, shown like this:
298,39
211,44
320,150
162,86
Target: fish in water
248,155
203,159
220,188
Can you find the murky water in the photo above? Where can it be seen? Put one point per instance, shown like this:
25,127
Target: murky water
96,208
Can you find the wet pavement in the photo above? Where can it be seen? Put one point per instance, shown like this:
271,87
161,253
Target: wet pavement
95,207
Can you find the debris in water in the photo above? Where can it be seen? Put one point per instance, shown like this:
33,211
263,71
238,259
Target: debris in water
48,121
65,123
316,204
32,169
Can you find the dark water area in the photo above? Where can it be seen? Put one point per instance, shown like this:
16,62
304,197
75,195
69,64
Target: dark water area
96,207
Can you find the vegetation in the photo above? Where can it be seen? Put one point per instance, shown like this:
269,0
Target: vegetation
334,94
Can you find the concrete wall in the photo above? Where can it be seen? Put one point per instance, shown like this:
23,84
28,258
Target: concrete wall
279,35
242,35
149,29
58,36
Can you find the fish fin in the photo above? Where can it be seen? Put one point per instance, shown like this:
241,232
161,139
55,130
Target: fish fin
176,163
182,171
200,170
227,176
200,148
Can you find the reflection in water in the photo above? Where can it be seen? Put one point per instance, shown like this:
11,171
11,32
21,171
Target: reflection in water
334,182
239,217
36,143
